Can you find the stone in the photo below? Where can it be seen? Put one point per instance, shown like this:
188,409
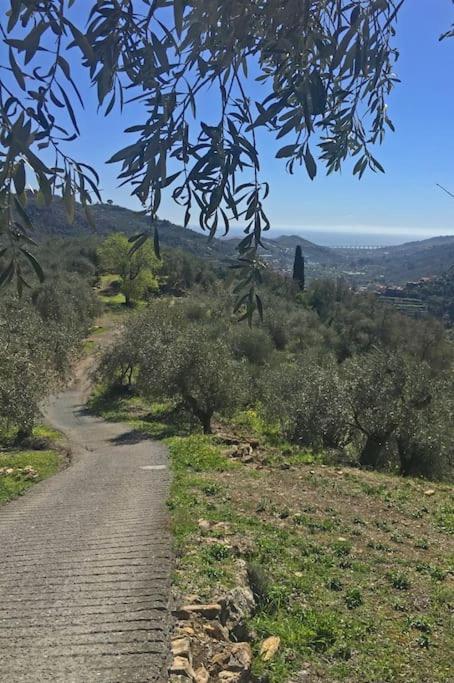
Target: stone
182,667
429,492
204,524
238,605
216,631
221,658
211,611
240,657
181,647
269,647
187,630
201,675
229,677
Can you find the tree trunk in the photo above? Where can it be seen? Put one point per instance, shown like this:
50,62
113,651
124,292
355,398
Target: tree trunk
205,419
372,449
23,433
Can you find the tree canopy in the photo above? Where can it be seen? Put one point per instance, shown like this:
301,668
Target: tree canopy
325,69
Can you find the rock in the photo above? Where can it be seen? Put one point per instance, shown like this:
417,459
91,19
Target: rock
182,667
229,677
269,647
429,492
221,658
204,524
228,439
181,647
211,611
240,657
188,630
221,526
201,675
238,605
216,631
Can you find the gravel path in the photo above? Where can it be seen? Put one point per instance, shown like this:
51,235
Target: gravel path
85,561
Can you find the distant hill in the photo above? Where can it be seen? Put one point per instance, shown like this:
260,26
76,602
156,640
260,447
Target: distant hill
396,264
281,249
110,218
406,262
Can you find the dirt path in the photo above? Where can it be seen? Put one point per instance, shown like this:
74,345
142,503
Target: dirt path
85,560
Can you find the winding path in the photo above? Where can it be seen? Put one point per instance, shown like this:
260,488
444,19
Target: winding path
85,561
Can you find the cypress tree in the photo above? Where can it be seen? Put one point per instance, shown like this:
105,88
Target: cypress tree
298,267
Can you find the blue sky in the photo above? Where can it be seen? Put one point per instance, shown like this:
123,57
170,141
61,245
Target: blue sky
417,156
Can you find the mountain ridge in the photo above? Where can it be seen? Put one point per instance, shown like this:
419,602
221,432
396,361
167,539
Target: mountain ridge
399,263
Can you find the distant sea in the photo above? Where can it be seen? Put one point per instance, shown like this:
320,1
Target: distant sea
347,238
355,238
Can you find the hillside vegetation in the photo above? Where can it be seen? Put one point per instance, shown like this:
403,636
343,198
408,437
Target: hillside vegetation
294,446
396,264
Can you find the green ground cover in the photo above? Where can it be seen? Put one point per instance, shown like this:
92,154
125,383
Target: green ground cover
351,569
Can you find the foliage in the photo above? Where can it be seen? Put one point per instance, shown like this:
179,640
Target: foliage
26,368
177,359
137,271
392,396
298,267
330,368
325,69
309,402
39,336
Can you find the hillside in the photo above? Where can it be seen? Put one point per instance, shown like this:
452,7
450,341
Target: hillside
110,218
406,262
396,264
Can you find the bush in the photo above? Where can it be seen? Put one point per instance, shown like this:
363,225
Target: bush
172,357
26,369
308,401
197,370
400,407
251,344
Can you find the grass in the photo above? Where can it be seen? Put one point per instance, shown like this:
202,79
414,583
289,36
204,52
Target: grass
350,569
44,463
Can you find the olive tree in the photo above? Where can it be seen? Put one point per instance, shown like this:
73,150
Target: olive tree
26,369
198,372
308,401
325,67
397,403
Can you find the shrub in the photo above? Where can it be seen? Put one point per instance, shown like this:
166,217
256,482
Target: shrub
308,401
251,344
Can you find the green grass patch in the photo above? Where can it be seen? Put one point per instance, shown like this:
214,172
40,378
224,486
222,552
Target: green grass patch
349,568
153,420
347,602
44,463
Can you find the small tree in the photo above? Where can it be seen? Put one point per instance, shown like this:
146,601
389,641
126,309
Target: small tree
308,401
26,369
298,267
400,410
197,371
137,272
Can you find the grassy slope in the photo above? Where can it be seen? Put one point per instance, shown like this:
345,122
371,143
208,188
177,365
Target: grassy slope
352,567
44,462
